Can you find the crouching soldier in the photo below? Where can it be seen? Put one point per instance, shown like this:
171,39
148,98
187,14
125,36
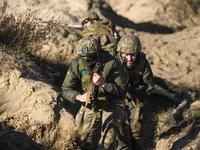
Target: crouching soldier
107,109
104,28
140,85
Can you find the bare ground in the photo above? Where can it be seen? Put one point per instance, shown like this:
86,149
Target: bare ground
33,112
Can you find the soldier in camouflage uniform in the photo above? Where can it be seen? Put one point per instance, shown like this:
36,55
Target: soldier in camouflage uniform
172,92
103,28
111,85
139,79
140,85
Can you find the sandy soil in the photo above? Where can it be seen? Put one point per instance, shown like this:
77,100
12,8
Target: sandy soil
170,40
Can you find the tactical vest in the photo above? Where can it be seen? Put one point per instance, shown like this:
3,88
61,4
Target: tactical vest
135,74
85,75
85,79
134,79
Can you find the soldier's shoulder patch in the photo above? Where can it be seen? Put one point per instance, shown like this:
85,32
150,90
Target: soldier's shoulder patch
68,72
116,71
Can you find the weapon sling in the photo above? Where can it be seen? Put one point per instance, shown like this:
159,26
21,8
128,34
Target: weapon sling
88,96
137,106
95,70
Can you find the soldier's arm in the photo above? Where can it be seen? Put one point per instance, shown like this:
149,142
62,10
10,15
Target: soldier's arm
146,88
114,78
71,85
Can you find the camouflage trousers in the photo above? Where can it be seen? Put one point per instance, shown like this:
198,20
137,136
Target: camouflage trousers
129,134
103,134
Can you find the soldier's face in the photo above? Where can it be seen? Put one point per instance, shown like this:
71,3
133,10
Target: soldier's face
129,58
88,55
87,23
89,59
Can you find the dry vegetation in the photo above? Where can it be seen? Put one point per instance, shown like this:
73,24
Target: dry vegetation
24,31
184,127
21,36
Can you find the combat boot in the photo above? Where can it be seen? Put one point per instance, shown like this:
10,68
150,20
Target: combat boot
188,94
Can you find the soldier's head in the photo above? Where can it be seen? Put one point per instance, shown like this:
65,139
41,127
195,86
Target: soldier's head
87,48
129,46
89,18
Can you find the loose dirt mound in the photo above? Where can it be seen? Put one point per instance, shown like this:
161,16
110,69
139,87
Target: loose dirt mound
32,112
174,57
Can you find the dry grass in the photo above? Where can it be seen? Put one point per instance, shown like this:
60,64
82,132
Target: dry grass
10,60
167,126
21,35
22,31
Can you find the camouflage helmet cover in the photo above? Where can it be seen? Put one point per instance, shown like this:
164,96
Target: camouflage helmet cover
91,15
129,44
87,45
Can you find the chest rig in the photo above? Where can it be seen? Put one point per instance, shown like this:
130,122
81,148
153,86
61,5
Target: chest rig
134,79
85,80
85,75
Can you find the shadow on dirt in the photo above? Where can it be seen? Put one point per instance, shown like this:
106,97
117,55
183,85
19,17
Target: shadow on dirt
72,108
188,133
11,139
155,105
125,23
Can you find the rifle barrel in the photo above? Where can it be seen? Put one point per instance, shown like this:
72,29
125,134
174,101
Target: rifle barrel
73,26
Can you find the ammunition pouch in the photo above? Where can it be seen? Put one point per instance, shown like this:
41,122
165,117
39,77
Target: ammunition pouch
102,101
136,105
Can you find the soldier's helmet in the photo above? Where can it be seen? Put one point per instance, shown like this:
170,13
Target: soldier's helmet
129,44
86,46
90,15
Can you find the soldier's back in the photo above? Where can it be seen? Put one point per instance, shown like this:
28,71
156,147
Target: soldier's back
102,29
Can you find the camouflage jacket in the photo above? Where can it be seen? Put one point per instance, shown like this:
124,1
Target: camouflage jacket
101,28
112,74
140,83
